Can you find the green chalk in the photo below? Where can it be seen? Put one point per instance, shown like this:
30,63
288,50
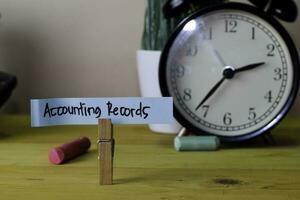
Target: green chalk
196,143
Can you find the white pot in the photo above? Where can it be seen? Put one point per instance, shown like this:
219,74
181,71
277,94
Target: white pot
147,64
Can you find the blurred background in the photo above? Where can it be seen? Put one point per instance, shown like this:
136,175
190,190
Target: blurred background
76,48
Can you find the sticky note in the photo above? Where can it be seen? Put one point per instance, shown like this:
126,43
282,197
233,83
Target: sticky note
84,111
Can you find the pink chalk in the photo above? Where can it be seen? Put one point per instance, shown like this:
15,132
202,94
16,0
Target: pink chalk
69,150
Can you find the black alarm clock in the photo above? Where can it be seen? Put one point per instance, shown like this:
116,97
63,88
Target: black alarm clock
232,70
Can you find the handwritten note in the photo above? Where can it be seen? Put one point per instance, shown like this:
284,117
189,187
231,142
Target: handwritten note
133,110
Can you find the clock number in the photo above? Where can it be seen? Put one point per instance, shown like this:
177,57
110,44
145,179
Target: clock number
252,114
180,71
253,33
192,50
187,96
227,119
206,109
278,73
269,96
207,33
271,49
230,26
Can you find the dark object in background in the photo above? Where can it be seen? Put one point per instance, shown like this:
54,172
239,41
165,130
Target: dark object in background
7,85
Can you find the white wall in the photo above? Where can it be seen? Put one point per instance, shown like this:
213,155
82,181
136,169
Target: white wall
74,48
70,48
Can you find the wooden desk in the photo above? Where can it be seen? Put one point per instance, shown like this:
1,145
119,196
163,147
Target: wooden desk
146,166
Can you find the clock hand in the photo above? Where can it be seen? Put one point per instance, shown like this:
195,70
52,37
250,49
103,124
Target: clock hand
249,67
219,57
228,73
211,92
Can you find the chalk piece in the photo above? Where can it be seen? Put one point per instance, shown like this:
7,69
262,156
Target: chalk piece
196,143
69,150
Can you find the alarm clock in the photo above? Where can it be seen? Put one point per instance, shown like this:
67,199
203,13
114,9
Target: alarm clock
232,70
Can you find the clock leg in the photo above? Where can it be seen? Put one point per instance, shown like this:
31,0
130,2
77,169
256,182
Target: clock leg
268,139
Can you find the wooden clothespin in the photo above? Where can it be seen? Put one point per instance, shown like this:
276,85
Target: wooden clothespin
105,151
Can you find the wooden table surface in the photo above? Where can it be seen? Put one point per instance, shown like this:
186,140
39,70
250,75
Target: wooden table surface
146,166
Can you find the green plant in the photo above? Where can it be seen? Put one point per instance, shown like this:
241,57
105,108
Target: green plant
157,28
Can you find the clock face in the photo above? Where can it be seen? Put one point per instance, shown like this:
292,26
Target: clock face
231,71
